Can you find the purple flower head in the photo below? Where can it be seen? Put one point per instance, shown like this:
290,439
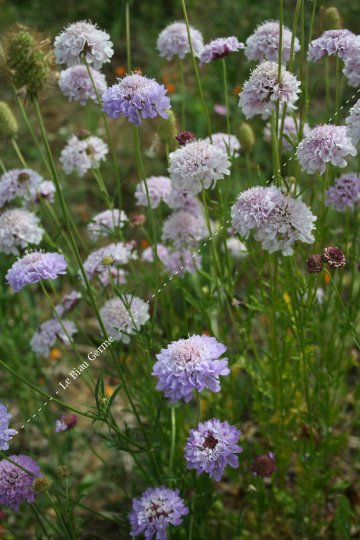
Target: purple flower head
184,229
174,41
109,259
352,65
35,266
353,122
219,48
325,144
211,447
48,332
136,97
66,422
190,364
176,262
76,84
156,509
106,222
23,184
263,90
68,302
263,44
290,133
229,143
159,188
264,465
6,434
338,42
253,208
345,193
16,485
19,228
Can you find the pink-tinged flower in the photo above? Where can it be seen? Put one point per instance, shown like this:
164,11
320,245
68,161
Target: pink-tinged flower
290,138
123,317
66,422
174,41
34,267
156,509
220,109
314,264
325,144
136,98
263,44
190,364
334,257
211,447
106,223
229,143
82,155
345,193
159,188
79,38
184,229
263,90
19,228
253,208
68,302
47,334
219,48
16,485
75,83
332,42
176,262
264,465
353,122
184,137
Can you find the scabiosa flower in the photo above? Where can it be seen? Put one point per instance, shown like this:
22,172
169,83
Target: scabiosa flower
85,38
184,229
106,222
229,143
66,422
352,65
108,259
45,191
184,137
6,434
182,200
159,188
263,44
314,264
176,262
16,485
123,318
68,302
136,97
76,84
156,509
290,133
219,48
353,122
236,248
212,446
161,250
263,89
23,184
198,165
334,257
345,193
47,334
190,364
253,208
264,465
34,267
174,41
19,229
80,156
325,144
338,42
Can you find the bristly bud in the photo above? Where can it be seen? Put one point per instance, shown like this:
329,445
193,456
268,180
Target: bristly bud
314,264
167,129
137,220
62,471
246,137
23,177
184,137
83,134
330,18
28,60
42,484
264,465
8,123
334,257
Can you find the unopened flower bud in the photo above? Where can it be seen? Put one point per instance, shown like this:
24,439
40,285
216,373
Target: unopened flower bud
184,137
137,220
334,257
264,465
246,137
314,264
23,177
62,471
42,484
167,129
83,134
8,123
330,18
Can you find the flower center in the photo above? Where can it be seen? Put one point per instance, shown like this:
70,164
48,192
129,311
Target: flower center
210,441
156,511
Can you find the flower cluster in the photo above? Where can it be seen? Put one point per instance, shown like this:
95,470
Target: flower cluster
229,143
19,228
76,84
82,155
337,42
219,48
34,267
174,41
184,229
345,193
107,261
25,185
333,256
263,44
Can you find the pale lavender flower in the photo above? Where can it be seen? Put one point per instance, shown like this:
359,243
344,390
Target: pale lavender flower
176,262
23,184
345,193
47,334
123,317
19,228
6,434
219,48
184,229
83,37
156,509
66,422
229,143
16,485
353,122
253,208
290,133
325,144
198,165
34,267
190,364
236,248
182,200
220,109
45,191
136,97
263,90
174,41
108,259
159,188
75,83
162,253
211,447
106,223
332,42
352,65
80,156
263,44
68,302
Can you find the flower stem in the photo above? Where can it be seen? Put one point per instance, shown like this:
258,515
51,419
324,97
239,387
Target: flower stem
128,39
226,100
183,99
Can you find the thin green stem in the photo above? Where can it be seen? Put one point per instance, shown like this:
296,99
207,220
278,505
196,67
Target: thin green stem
128,36
173,440
183,97
226,100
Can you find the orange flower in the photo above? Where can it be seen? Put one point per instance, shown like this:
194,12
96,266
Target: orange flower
236,90
326,278
170,87
55,354
144,243
120,71
109,390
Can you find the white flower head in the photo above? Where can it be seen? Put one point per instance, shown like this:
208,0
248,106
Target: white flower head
80,156
123,317
19,228
174,41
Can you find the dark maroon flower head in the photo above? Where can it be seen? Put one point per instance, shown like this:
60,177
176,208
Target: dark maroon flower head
264,465
334,257
184,137
66,422
314,264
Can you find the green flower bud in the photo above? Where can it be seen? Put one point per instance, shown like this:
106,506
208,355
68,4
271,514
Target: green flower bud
167,129
330,18
8,123
246,137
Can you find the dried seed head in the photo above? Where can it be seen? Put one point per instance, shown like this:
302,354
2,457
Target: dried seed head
8,123
330,18
264,465
62,471
314,264
83,134
246,137
334,257
42,484
184,137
